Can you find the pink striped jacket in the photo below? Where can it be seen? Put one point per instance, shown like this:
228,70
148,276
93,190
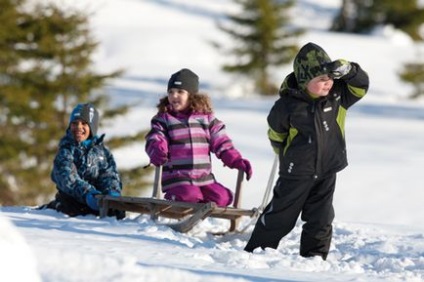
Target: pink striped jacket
190,139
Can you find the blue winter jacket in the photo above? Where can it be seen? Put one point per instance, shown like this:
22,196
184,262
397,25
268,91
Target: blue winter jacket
84,167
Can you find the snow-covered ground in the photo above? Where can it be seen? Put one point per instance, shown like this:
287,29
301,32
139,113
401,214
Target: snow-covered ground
378,230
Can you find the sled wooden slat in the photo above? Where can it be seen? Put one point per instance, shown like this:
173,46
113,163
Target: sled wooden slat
172,209
188,214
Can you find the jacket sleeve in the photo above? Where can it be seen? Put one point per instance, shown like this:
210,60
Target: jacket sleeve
353,86
156,138
278,125
109,179
220,142
66,177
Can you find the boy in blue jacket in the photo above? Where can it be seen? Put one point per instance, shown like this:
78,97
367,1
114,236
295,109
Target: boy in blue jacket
306,130
84,167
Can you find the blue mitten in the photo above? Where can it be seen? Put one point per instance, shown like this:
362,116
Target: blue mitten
114,193
90,199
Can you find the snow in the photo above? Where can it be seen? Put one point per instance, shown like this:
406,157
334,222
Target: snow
378,230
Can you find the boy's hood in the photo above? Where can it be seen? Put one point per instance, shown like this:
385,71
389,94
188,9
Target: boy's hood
291,87
309,63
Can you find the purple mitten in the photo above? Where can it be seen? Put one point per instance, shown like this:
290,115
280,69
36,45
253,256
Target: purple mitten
158,157
158,153
245,166
229,157
233,159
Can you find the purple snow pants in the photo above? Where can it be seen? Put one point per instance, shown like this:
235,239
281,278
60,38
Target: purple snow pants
214,192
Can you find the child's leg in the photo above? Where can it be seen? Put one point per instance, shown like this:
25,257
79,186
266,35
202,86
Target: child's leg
318,214
281,214
217,193
184,193
68,205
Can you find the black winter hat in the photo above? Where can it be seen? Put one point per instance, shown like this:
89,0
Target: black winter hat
184,79
88,113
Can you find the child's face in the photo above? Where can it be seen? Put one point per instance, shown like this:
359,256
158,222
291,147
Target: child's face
178,99
320,85
80,130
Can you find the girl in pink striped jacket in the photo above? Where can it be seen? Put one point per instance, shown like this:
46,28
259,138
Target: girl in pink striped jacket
183,134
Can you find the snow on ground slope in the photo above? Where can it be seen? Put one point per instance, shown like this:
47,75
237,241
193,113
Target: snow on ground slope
17,260
135,249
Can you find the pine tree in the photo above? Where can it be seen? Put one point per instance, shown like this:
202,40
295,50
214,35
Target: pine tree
263,39
413,73
45,70
361,16
9,34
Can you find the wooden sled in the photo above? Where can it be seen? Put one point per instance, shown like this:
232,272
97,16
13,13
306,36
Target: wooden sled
187,214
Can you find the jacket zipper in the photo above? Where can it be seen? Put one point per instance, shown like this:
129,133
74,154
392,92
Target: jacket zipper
317,126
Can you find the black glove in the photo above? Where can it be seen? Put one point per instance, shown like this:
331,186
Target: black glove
338,68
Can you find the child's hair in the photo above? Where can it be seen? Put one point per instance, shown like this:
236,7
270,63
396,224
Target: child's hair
198,103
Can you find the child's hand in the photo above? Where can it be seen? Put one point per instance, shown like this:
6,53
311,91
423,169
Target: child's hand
245,166
114,193
338,68
158,157
90,199
232,159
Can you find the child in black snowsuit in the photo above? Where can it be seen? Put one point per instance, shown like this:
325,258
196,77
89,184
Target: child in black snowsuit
306,129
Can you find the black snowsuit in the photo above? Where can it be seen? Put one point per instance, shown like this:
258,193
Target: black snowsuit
309,136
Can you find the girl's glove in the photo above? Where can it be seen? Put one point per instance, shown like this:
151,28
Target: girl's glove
233,159
245,166
158,157
158,153
338,68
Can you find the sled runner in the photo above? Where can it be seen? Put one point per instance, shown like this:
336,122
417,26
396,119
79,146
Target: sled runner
188,214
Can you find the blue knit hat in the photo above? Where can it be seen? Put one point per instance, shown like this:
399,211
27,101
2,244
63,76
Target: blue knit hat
88,113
